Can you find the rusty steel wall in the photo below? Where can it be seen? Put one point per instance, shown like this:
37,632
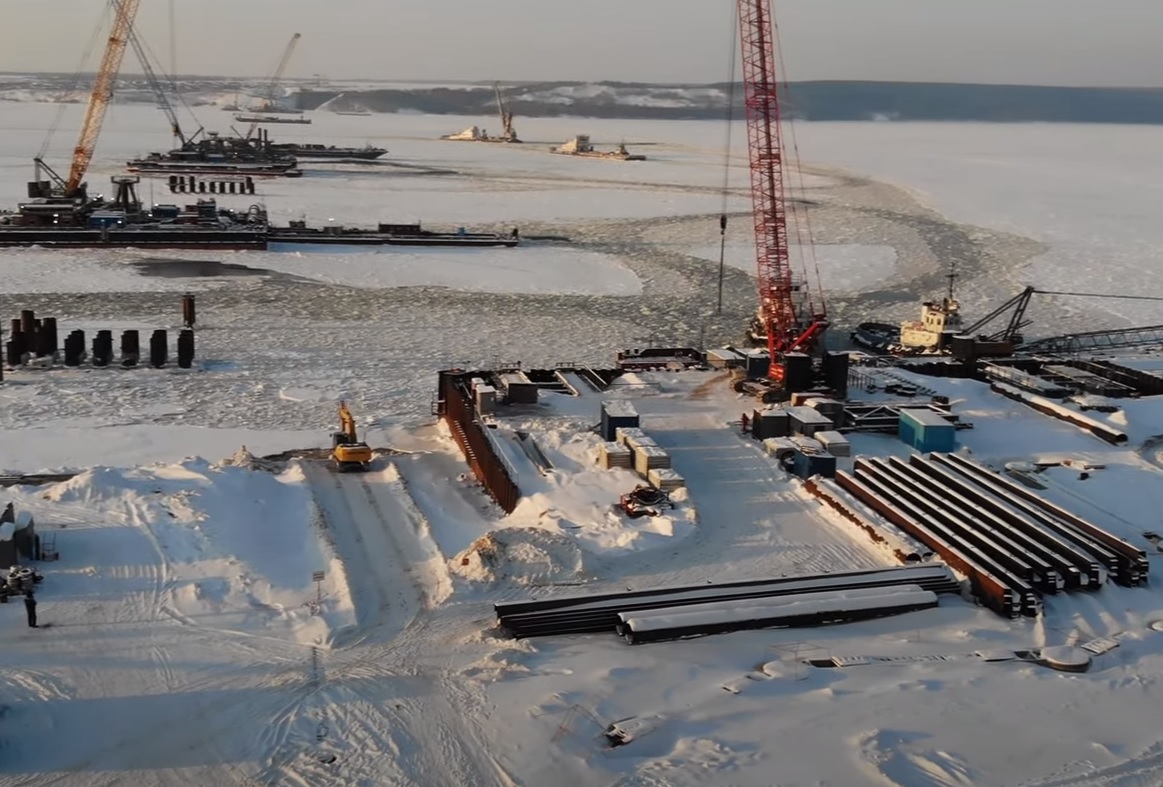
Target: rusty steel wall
458,411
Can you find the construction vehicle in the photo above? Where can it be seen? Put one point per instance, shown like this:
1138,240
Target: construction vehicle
347,451
787,318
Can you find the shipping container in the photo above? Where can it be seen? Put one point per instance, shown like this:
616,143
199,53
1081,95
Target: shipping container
807,421
770,423
797,372
486,398
831,408
758,364
807,465
519,389
617,414
926,431
725,358
834,443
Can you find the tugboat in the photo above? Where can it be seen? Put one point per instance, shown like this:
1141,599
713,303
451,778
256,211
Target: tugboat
218,155
940,321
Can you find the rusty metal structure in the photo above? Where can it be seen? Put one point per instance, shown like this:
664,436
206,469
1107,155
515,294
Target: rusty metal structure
455,405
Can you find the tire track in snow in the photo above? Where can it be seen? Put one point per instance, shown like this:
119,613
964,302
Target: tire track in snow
386,722
1144,770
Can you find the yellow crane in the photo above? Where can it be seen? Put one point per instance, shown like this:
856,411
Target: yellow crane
347,450
125,11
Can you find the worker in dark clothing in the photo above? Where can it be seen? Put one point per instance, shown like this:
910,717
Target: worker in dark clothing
30,608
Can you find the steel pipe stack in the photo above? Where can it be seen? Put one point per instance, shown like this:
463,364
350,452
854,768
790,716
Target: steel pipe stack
597,613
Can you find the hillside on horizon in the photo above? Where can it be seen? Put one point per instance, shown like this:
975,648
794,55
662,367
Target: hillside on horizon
849,100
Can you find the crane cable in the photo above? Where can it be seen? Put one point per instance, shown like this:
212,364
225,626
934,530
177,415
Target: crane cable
155,62
803,219
86,54
1101,295
727,152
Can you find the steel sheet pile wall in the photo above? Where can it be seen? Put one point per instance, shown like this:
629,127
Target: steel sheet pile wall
902,547
1055,410
1013,545
597,613
456,406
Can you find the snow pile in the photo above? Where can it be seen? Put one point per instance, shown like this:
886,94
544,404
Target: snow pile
523,556
577,498
232,548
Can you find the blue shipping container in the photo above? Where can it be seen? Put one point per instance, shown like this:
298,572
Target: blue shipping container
807,465
926,431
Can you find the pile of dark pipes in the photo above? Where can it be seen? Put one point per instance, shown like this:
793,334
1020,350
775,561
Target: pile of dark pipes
34,341
600,612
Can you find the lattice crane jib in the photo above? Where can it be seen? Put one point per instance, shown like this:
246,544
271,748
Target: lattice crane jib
787,330
102,93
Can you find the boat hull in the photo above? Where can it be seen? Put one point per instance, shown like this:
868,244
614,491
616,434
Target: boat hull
381,239
877,337
152,170
323,154
84,238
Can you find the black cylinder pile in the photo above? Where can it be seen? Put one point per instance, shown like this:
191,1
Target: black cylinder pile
32,338
188,184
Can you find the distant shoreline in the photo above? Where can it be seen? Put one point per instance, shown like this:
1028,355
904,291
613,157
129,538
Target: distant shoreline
813,101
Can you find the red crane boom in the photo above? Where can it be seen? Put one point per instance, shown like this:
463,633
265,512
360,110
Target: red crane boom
787,329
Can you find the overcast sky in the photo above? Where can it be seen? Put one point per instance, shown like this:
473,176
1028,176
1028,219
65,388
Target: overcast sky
1062,42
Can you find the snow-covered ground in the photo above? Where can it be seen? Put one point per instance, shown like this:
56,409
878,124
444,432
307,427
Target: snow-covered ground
186,642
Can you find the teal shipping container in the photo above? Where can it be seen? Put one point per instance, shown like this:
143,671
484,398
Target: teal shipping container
926,431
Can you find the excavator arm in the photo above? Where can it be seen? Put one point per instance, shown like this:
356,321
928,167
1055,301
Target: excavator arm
347,423
347,451
125,11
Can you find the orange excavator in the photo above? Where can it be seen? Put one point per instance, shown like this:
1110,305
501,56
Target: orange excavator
347,451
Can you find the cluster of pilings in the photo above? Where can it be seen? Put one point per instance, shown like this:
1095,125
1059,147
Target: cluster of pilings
34,341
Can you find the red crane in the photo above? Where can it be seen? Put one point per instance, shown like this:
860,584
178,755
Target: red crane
789,328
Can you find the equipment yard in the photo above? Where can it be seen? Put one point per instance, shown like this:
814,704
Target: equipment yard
536,514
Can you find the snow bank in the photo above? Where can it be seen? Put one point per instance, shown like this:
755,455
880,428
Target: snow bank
523,556
237,547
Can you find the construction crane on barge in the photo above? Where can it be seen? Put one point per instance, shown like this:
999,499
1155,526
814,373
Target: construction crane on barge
269,100
73,188
787,315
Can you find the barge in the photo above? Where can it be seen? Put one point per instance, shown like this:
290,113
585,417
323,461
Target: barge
297,120
580,146
51,220
317,151
297,232
218,155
